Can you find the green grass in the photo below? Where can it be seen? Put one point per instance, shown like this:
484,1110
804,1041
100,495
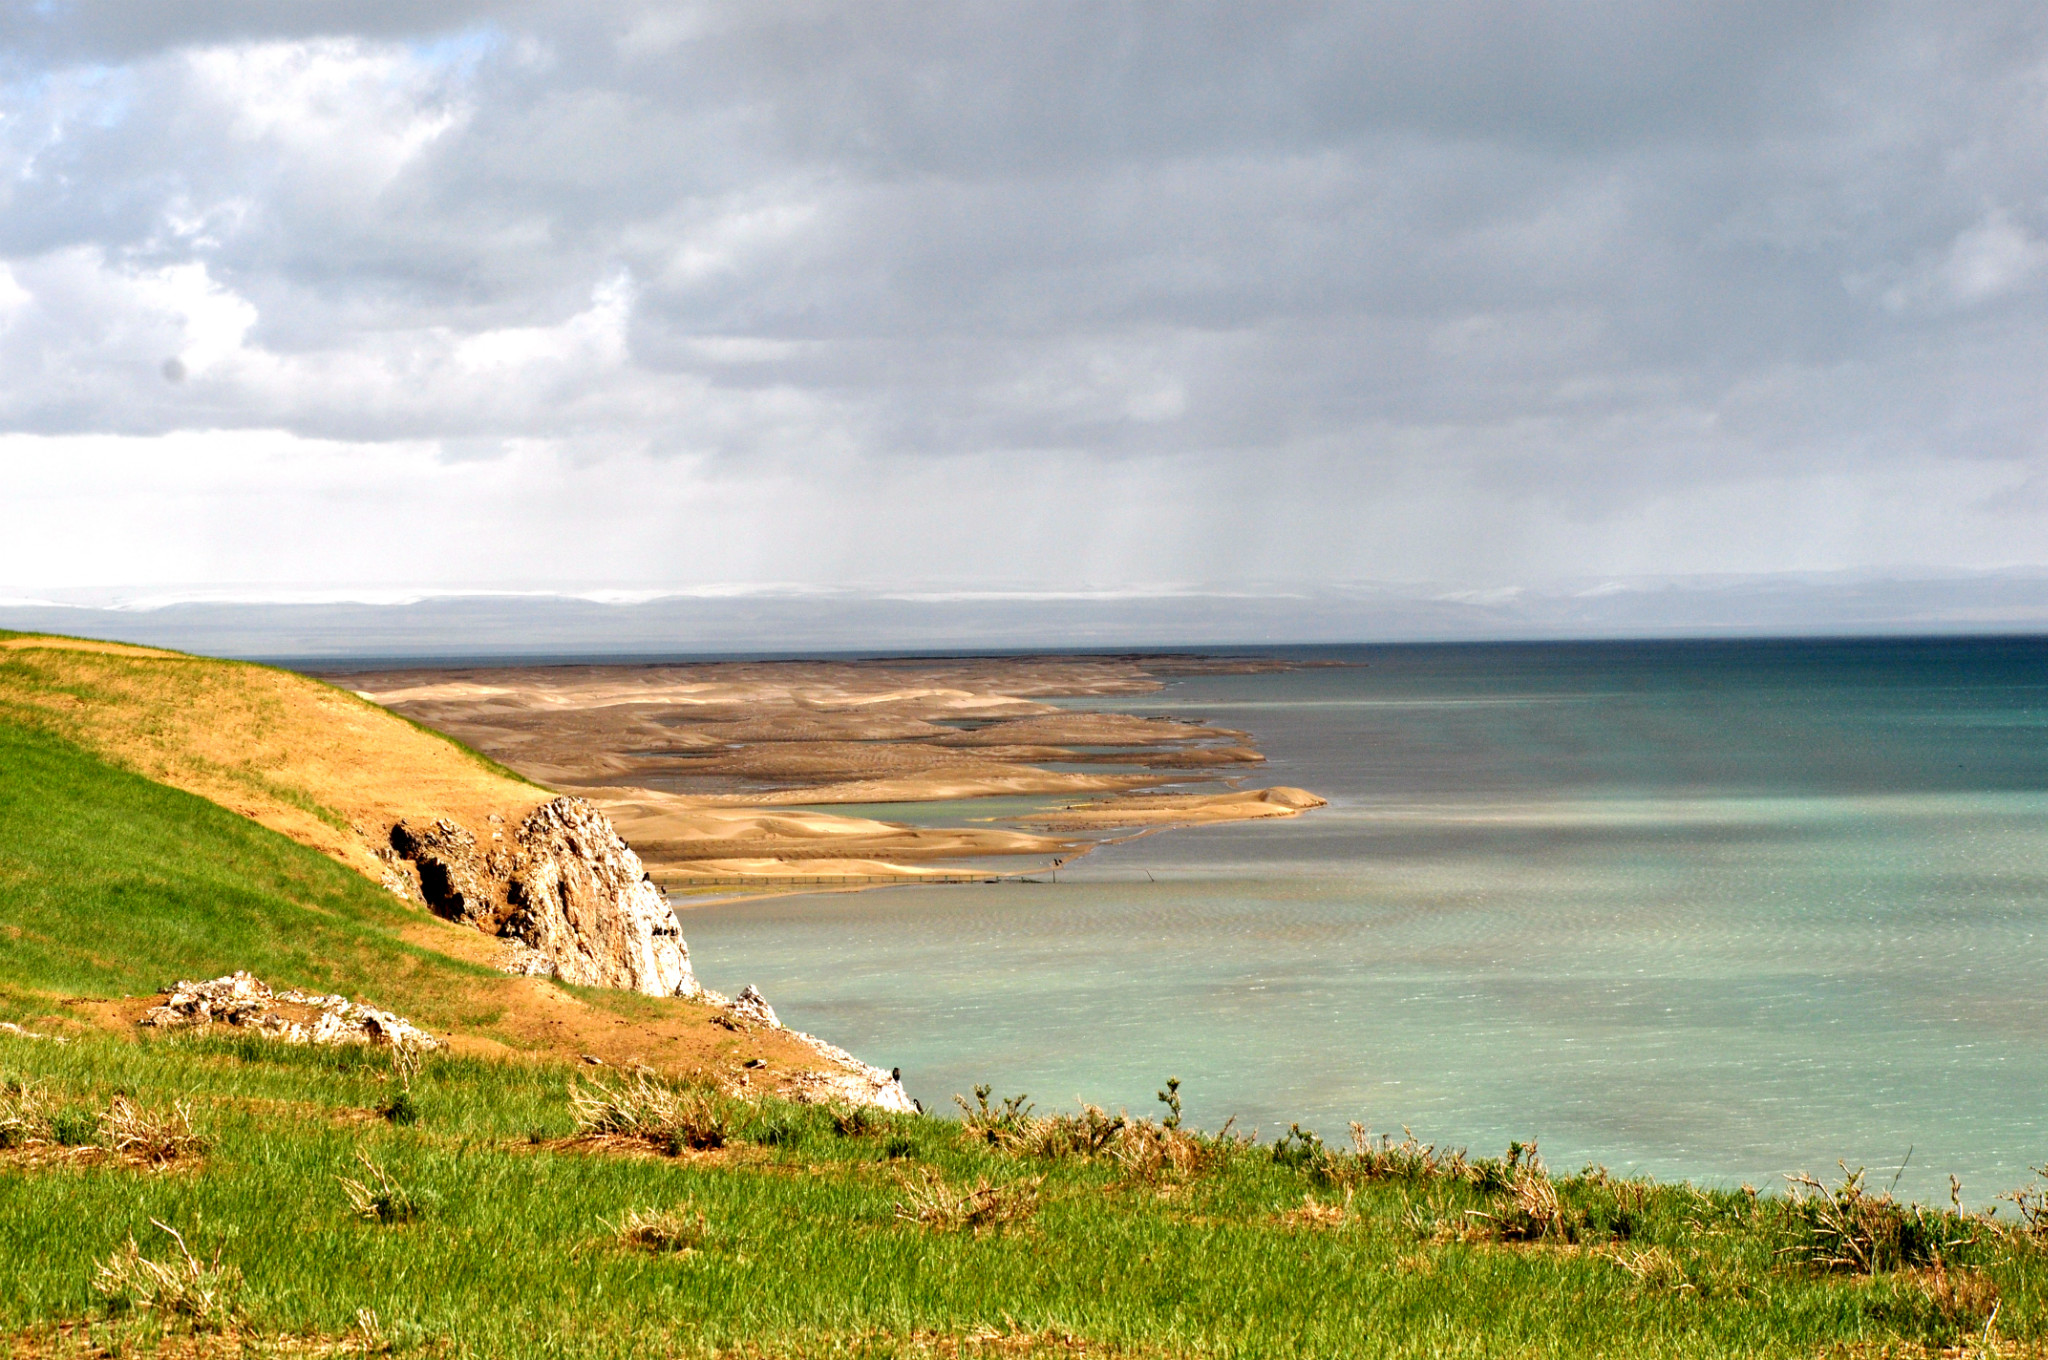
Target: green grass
112,885
516,1252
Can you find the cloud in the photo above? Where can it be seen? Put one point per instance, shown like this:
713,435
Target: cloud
1059,294
1988,260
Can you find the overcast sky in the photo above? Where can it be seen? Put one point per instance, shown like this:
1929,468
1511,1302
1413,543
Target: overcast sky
336,296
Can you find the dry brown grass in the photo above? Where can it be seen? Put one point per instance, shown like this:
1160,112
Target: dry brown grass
667,1118
322,766
380,1199
151,1138
202,1292
934,1204
1968,1299
1381,1158
2032,1202
1147,1149
1154,1152
664,1230
37,1130
1529,1212
1654,1268
1853,1229
1313,1213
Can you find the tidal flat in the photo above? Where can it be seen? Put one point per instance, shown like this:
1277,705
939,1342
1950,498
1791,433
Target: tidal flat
762,772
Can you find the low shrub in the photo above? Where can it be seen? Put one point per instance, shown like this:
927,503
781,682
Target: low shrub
401,1109
382,1199
123,1129
2032,1202
997,1125
1145,1148
1850,1228
934,1204
203,1292
142,1136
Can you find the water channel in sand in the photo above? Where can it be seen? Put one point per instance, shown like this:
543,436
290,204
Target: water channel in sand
1716,910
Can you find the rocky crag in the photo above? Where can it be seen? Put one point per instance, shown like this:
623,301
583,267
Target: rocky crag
570,899
562,889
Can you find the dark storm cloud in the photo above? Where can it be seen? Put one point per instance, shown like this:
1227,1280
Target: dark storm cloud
1534,285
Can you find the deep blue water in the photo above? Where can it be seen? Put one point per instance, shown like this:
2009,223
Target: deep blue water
1709,909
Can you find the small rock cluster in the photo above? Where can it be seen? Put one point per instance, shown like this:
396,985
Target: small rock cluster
292,1017
859,1084
751,1005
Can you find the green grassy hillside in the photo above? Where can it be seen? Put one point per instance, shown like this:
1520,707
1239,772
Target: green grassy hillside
506,1230
323,766
111,884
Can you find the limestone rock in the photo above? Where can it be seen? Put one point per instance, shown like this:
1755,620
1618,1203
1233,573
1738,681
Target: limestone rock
564,890
453,876
294,1017
751,1005
579,895
854,1083
521,960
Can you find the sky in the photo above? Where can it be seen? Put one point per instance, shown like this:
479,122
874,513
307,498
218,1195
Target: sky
331,300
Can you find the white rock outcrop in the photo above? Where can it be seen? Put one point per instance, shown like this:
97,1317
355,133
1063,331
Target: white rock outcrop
294,1017
751,1005
566,891
579,895
857,1083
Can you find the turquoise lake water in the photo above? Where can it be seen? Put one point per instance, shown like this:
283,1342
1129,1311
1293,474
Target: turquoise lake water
1714,910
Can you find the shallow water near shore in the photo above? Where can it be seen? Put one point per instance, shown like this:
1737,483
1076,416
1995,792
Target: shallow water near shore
1710,910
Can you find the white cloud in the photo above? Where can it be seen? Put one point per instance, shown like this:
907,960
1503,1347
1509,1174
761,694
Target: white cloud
212,321
679,295
593,338
338,117
1988,260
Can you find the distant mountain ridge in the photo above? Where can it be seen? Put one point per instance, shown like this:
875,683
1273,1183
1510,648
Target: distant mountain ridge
387,625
